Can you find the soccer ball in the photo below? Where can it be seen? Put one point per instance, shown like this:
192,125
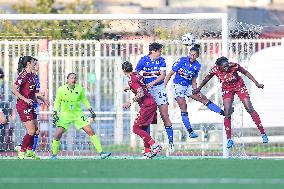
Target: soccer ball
188,39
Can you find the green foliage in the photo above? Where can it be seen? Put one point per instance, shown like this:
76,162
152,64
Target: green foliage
55,29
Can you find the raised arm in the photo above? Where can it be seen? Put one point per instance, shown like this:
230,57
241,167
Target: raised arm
205,80
248,74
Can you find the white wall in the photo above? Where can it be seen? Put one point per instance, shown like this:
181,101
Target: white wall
267,66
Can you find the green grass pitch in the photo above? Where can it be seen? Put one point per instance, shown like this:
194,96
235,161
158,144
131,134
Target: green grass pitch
146,174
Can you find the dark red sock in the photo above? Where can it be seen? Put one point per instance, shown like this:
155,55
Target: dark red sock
31,143
147,150
143,134
255,117
227,124
26,142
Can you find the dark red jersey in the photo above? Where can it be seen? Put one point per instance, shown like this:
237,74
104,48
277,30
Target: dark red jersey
136,82
27,86
230,79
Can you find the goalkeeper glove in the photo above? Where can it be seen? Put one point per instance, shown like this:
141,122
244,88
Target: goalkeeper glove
93,114
55,118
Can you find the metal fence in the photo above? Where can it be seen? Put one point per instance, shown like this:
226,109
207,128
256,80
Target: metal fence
97,64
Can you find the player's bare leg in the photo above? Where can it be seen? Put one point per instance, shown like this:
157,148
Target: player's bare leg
255,117
96,141
164,112
228,102
184,115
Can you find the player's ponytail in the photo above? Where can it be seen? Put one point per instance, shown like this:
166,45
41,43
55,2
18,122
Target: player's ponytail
127,67
195,48
220,60
23,61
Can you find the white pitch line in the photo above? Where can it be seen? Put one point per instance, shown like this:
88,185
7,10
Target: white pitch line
247,181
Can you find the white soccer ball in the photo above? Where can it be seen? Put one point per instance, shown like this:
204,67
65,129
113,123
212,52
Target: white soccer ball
188,39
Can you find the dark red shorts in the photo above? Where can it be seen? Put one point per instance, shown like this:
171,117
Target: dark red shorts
147,115
26,112
239,89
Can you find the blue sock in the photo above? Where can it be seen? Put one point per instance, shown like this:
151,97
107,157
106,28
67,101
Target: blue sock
148,130
35,142
170,133
185,120
213,107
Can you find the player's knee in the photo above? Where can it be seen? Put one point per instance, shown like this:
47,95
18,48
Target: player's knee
31,131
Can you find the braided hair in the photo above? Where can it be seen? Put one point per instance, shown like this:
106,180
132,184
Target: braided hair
220,60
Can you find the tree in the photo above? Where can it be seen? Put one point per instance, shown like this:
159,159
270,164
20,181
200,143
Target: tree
55,29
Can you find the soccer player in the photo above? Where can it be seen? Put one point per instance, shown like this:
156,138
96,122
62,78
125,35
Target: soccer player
153,69
24,89
39,96
68,110
232,84
39,99
147,113
186,71
3,119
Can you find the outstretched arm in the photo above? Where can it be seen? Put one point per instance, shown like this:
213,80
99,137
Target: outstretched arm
205,80
248,74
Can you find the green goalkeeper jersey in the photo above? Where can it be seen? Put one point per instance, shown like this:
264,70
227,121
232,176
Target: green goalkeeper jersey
69,100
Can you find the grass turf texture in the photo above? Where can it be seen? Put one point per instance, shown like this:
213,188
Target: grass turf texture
130,174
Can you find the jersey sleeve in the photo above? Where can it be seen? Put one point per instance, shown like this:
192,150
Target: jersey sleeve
176,66
84,99
57,100
21,80
213,71
139,65
163,66
240,68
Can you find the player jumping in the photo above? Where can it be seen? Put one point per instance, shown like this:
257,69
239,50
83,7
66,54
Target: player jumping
233,84
186,71
153,69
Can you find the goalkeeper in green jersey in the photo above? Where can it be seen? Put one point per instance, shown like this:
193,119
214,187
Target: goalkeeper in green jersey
68,110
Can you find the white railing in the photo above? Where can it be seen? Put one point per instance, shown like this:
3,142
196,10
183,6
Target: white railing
98,66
